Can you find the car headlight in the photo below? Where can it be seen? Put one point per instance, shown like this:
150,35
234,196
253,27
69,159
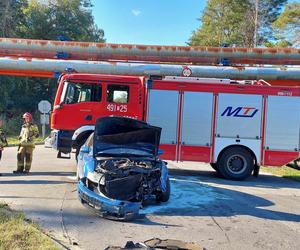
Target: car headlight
96,177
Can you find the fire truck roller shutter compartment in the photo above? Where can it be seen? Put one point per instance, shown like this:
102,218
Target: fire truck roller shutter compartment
196,126
238,134
282,130
163,108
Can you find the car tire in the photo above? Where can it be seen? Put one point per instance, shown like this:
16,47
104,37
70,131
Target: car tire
77,153
164,196
236,163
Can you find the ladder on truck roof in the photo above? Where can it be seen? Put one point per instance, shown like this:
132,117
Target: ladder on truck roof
72,50
40,58
214,80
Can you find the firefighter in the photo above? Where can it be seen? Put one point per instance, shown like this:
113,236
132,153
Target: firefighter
3,141
29,132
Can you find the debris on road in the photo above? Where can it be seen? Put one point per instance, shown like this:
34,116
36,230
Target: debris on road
157,243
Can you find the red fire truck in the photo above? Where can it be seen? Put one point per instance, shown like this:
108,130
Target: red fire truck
234,126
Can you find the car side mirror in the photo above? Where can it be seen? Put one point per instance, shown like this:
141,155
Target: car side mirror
160,152
85,149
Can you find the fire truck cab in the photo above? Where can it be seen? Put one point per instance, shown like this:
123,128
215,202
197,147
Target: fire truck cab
234,126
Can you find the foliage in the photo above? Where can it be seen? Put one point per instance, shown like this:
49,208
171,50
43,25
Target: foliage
286,172
268,12
11,16
221,23
20,95
51,19
233,22
14,140
288,21
18,233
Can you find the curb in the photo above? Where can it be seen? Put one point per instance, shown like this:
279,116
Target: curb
15,145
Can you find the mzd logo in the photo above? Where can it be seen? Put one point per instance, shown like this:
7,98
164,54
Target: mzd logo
240,112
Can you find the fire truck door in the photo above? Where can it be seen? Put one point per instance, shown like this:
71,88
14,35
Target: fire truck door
78,103
196,126
163,109
239,122
282,143
123,99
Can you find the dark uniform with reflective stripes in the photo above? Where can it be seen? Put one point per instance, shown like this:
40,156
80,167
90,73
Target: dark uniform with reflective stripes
29,131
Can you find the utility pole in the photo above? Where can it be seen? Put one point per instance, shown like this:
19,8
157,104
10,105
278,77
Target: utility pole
255,23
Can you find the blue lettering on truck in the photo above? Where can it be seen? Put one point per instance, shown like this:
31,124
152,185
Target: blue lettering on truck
240,111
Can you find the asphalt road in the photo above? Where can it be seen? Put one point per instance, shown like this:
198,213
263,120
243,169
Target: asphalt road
260,213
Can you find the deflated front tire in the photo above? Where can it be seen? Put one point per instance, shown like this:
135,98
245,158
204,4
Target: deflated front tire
164,196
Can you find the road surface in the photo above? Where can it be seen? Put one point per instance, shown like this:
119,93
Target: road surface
259,213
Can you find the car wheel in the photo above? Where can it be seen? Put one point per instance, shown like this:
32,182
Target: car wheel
77,153
236,163
164,196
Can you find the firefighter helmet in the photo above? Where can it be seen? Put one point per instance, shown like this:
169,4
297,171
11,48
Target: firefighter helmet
27,115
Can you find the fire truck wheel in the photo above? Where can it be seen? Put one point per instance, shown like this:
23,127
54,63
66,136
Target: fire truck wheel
214,166
236,163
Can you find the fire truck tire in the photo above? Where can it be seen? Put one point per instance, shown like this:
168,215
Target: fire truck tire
214,166
236,163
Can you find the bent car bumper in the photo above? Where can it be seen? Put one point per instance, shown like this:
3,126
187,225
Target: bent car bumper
106,207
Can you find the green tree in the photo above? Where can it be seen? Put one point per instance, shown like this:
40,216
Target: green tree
40,20
72,19
221,24
268,12
234,22
287,26
10,16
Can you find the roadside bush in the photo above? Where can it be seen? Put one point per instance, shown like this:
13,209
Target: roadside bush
12,126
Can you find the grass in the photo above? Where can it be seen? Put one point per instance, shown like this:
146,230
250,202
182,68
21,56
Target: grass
14,140
16,232
286,172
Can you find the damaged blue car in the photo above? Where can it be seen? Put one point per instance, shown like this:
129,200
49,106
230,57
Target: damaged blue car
119,168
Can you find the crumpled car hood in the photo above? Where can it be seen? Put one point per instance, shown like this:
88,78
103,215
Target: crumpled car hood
117,133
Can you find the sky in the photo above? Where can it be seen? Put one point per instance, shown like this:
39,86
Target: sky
153,22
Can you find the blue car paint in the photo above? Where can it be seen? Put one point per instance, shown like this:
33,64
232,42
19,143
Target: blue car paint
112,208
107,207
89,165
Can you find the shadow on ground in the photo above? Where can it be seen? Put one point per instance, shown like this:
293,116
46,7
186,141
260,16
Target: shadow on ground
190,196
262,181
